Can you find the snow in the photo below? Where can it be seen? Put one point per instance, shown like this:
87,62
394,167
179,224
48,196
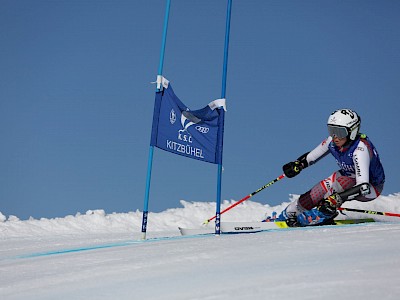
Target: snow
101,256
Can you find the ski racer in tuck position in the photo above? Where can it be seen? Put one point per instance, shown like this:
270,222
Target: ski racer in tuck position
360,177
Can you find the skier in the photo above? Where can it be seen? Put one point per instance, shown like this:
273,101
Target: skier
360,177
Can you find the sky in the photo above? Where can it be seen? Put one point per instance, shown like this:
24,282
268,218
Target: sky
99,256
76,99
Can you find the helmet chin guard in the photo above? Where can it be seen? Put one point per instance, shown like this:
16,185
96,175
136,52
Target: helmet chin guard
344,123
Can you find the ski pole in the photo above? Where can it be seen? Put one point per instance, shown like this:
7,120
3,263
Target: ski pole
247,197
371,212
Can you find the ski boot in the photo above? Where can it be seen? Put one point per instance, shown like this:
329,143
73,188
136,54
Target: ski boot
289,217
316,217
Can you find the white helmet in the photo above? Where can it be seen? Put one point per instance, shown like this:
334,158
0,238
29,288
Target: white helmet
344,123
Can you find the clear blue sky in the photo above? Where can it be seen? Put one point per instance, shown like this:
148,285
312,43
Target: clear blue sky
76,101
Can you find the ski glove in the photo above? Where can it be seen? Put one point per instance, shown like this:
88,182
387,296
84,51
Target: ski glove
330,205
292,168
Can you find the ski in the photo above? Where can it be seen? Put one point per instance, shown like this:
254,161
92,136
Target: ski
253,227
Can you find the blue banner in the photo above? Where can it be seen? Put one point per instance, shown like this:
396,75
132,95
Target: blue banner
177,129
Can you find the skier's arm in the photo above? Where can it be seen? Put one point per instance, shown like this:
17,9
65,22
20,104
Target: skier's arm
334,201
293,168
319,152
361,160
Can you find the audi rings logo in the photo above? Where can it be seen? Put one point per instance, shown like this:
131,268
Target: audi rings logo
202,129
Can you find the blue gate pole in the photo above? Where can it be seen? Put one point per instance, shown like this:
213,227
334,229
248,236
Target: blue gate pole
223,93
151,151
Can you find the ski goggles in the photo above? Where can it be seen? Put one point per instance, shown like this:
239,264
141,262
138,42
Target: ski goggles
340,132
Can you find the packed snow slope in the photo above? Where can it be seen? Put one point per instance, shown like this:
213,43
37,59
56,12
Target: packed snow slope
101,256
